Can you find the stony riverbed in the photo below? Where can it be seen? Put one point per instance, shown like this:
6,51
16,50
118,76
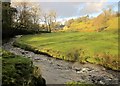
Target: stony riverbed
59,72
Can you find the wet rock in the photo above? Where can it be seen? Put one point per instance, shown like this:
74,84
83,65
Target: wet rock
59,68
103,69
24,52
37,58
95,79
18,36
76,69
78,72
51,62
49,59
101,82
83,77
58,65
83,70
76,66
69,67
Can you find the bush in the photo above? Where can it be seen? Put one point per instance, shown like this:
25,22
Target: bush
108,60
76,54
78,84
19,71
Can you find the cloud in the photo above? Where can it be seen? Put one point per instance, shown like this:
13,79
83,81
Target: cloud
90,8
65,8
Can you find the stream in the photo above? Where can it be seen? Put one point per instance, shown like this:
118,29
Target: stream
56,71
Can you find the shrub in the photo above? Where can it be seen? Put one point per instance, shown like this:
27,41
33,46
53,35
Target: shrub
78,84
19,71
76,54
108,60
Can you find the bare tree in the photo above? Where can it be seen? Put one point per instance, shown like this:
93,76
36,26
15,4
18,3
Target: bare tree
28,15
49,19
44,18
36,13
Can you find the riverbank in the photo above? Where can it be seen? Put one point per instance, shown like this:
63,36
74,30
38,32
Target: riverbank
19,71
76,47
59,72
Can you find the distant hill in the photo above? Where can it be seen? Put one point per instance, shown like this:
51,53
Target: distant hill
106,21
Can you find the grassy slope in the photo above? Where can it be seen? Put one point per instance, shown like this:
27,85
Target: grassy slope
100,48
96,24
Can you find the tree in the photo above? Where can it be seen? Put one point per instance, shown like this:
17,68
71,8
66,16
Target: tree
23,15
44,18
7,19
107,14
36,12
7,13
117,14
28,16
49,19
69,22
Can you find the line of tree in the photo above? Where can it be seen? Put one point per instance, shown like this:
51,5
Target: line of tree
49,19
99,23
25,17
30,15
7,20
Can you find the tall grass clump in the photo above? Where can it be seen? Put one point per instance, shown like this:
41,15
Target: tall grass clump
77,54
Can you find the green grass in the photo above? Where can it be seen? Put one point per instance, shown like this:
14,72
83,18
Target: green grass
78,84
95,24
94,47
18,71
14,70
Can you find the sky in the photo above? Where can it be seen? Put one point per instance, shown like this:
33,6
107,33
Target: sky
67,9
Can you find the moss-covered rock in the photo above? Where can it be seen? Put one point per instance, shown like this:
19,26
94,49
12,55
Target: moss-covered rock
19,71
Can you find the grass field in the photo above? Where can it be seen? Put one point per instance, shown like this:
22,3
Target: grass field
94,47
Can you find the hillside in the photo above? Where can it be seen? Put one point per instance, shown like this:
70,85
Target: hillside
103,22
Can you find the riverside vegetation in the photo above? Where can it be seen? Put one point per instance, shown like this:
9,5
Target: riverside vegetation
99,48
19,71
83,39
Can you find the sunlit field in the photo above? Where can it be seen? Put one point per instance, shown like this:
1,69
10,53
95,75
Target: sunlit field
94,47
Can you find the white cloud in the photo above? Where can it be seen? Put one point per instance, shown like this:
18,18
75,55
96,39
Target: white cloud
71,8
90,8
